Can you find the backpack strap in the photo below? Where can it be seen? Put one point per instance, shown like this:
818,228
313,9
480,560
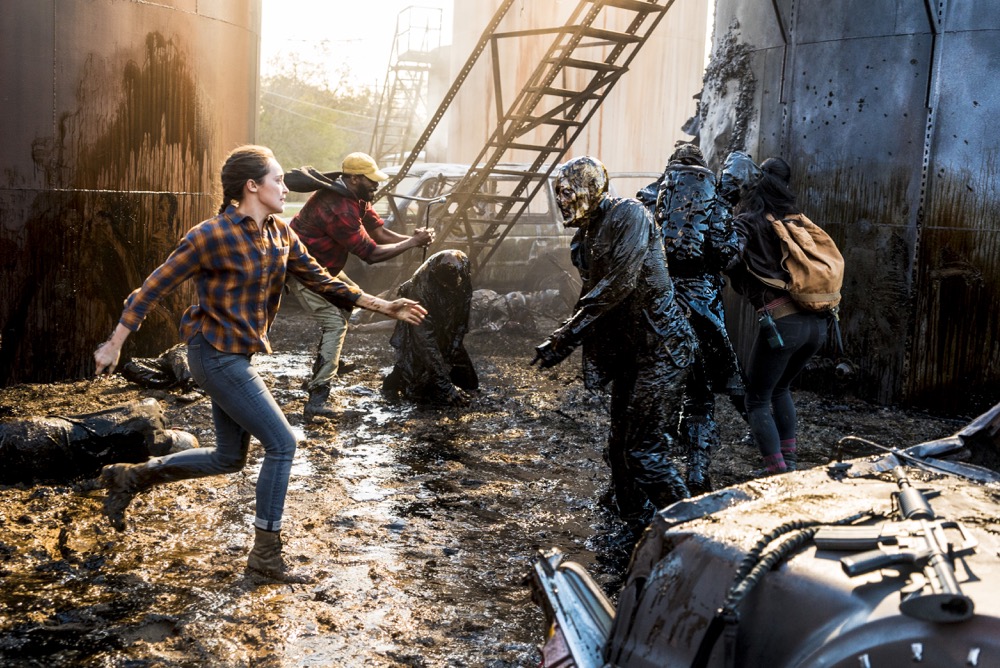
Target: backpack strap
770,282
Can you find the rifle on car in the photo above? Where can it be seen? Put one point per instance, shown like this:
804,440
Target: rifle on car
918,539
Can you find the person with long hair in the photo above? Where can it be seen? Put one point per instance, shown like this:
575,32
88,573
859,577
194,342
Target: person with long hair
239,260
788,336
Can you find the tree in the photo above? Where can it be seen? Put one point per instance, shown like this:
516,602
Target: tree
307,121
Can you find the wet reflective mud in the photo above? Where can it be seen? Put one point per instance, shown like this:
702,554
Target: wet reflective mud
419,523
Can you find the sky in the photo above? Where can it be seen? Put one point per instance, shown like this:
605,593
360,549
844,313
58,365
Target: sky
355,33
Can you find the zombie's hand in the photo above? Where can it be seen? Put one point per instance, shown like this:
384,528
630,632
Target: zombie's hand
551,353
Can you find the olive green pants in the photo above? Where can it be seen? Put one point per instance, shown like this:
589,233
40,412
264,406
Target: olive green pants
332,321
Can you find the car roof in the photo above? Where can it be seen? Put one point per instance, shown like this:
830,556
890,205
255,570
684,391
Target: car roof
456,169
447,168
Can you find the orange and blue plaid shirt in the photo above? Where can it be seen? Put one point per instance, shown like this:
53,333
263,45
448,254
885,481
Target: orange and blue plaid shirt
239,272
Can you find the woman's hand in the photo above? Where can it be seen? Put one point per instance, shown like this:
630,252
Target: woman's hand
107,354
106,357
406,310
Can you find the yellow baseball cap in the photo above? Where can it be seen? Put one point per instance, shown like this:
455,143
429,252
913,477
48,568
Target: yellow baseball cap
364,164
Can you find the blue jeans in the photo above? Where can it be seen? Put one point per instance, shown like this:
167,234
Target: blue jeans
241,406
770,373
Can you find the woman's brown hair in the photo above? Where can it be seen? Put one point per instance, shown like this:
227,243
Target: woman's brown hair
243,164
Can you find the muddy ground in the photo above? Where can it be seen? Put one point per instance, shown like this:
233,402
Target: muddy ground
420,524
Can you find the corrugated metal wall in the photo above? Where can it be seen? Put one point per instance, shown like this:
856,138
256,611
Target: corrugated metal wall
637,125
886,110
116,116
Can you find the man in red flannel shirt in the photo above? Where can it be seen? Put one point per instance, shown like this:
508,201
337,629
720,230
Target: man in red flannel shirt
338,219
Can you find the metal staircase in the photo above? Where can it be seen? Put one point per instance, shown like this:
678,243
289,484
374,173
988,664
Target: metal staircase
404,94
542,121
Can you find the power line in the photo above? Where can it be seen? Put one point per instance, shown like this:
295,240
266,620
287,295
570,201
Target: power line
366,133
318,106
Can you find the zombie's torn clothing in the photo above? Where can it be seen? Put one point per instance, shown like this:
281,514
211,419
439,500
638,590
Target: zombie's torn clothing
166,371
699,243
432,365
697,230
67,447
634,336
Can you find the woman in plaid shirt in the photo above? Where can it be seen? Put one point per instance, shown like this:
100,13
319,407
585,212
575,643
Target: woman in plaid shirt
239,260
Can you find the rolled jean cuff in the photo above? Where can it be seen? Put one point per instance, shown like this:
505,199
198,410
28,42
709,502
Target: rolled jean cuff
267,525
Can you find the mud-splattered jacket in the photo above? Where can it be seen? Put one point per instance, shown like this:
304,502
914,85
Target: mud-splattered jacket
627,308
700,243
698,237
431,358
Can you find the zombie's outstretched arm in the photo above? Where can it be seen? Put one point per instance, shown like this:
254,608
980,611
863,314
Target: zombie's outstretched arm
557,347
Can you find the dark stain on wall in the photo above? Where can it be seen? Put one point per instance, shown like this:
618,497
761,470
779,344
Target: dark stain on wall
126,175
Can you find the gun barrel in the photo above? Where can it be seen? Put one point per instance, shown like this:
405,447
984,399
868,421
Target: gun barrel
912,502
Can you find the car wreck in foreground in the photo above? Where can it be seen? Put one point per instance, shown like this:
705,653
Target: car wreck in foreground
868,563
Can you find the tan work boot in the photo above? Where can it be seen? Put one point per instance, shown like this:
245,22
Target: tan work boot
265,559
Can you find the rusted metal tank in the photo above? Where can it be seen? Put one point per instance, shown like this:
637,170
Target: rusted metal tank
885,111
116,117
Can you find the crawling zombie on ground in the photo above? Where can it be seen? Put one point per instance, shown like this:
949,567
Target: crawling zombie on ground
67,447
633,332
699,243
432,365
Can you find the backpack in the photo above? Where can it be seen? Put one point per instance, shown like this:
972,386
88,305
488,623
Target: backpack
813,262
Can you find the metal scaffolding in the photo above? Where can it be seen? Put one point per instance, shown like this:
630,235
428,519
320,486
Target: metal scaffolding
404,93
548,106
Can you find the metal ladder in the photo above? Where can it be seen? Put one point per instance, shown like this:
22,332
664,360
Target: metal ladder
477,221
418,36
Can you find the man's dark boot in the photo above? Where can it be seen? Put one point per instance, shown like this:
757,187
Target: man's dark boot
123,482
316,405
698,479
702,434
265,559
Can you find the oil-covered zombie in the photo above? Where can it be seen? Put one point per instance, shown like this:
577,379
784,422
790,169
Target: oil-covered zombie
432,365
699,243
633,332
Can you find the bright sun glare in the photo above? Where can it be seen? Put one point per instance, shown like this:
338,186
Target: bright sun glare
336,33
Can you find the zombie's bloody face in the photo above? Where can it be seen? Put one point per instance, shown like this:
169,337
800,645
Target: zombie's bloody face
580,185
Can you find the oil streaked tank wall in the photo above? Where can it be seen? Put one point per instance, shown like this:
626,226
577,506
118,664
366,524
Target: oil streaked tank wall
116,116
886,110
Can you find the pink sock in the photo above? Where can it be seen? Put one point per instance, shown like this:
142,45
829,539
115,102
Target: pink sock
775,463
788,447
